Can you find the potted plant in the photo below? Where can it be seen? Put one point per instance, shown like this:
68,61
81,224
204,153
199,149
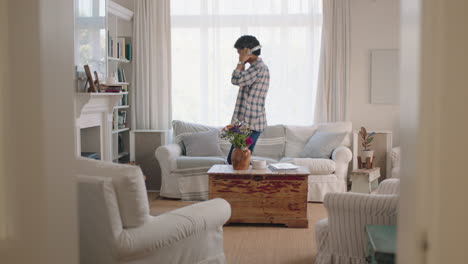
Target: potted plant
238,135
367,139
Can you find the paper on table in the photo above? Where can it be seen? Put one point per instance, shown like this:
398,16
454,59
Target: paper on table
283,166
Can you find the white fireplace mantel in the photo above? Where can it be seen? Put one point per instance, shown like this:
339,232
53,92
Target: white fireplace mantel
96,110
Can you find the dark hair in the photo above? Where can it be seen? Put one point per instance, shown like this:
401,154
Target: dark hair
249,42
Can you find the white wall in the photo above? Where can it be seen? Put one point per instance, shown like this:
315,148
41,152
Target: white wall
5,94
38,133
375,24
433,199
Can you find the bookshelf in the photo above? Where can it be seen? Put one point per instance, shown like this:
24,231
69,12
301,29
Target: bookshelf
120,66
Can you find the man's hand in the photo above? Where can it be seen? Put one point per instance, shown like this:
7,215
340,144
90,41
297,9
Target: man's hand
243,55
243,58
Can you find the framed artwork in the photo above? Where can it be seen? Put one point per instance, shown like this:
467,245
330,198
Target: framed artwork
92,87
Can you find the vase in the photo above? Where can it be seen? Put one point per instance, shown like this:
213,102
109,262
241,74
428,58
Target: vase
240,159
367,154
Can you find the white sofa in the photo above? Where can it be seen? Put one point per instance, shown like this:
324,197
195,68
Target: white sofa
116,227
186,177
341,238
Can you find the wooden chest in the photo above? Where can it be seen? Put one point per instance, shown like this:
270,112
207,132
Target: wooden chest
262,196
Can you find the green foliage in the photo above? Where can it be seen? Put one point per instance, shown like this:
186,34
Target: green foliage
367,138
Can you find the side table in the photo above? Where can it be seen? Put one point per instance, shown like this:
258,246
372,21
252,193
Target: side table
381,244
365,180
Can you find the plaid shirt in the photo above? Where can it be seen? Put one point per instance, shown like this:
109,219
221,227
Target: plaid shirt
253,87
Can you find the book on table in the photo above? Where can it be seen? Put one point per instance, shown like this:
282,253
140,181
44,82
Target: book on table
282,166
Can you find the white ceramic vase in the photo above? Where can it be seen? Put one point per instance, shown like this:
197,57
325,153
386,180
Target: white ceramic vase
367,154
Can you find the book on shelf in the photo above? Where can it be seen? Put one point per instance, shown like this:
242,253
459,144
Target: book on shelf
124,100
110,89
122,119
119,47
282,166
121,75
124,78
128,51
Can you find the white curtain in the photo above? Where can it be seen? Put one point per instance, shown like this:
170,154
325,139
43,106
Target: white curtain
152,65
333,85
203,56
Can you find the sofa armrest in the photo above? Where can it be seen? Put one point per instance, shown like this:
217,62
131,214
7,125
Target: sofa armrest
389,186
169,228
166,155
349,213
342,156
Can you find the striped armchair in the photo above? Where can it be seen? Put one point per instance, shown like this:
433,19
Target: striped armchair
341,238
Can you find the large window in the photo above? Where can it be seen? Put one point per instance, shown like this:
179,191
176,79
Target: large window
203,57
90,35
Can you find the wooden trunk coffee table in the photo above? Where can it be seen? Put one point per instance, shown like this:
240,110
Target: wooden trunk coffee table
262,196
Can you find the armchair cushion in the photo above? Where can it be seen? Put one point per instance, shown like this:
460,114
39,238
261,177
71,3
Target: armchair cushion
322,144
185,162
168,229
202,144
129,186
182,129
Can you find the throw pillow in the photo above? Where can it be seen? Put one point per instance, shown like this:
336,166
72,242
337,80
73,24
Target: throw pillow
129,184
321,145
271,143
181,129
202,144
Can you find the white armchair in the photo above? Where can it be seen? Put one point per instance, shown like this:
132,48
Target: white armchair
341,238
116,227
395,157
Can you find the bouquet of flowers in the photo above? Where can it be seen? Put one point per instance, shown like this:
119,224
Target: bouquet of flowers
238,134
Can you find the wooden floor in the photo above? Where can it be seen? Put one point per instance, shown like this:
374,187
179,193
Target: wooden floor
259,244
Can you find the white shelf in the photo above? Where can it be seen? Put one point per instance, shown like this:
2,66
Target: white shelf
118,60
122,107
119,10
120,130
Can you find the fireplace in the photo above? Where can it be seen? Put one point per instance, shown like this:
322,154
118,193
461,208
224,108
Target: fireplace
93,113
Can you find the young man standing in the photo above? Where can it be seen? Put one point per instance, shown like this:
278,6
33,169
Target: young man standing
253,88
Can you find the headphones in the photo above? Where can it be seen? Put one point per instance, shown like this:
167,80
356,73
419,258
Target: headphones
254,49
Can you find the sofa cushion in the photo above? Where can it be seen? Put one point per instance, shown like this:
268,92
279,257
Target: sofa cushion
185,162
316,166
181,129
129,184
271,143
321,145
338,127
202,144
296,138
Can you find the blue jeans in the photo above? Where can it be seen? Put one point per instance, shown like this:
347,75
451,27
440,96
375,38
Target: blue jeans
254,135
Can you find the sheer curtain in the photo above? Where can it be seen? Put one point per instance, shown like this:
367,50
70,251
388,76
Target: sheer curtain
333,82
152,72
203,57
